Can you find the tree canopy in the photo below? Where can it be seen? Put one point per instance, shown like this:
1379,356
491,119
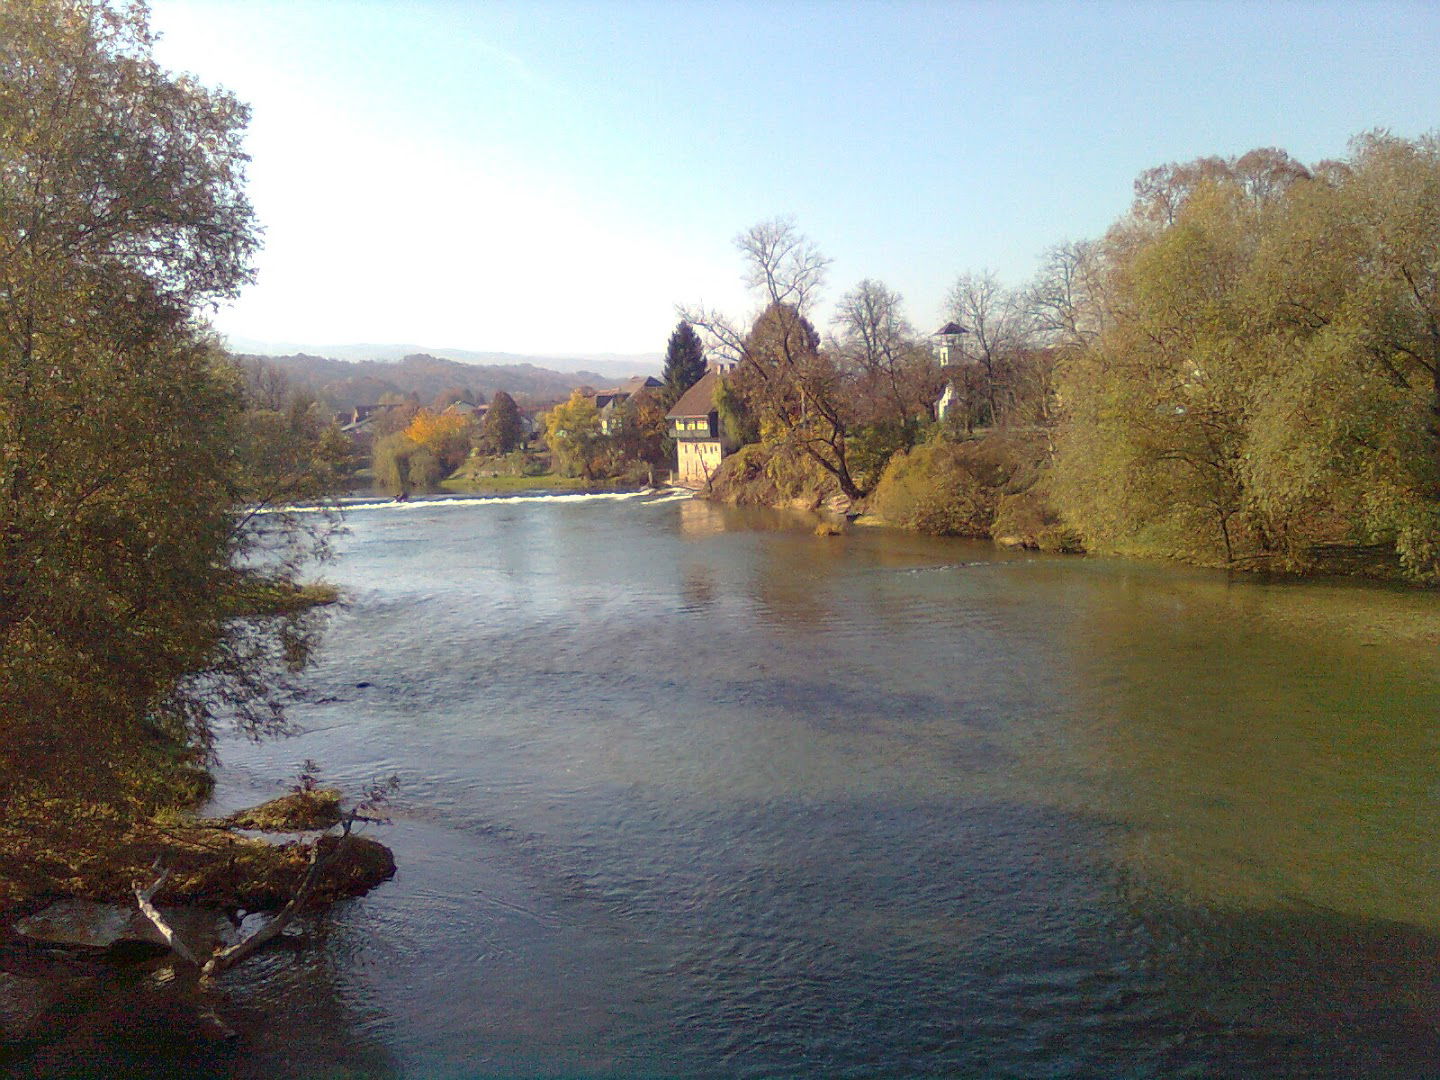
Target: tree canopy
572,431
1265,377
127,541
502,431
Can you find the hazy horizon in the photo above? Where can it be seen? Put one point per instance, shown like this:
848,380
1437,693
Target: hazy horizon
600,363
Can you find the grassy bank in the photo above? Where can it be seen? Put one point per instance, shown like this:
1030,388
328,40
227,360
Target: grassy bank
509,485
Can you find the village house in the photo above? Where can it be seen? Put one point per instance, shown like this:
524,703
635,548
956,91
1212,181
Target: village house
696,426
608,402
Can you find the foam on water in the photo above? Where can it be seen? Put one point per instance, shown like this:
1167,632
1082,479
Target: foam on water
354,504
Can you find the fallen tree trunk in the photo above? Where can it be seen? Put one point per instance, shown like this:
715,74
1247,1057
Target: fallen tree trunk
224,959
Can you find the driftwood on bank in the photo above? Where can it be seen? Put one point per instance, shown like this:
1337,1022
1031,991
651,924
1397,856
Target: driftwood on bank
225,958
328,852
151,912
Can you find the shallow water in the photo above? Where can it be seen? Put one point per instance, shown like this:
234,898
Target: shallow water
691,791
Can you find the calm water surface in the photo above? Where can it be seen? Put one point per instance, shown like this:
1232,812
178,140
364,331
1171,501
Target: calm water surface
693,792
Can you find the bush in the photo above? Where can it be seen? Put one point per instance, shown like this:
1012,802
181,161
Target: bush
942,488
771,475
1027,519
933,489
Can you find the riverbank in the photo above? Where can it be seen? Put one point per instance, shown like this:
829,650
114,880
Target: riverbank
995,485
983,487
57,849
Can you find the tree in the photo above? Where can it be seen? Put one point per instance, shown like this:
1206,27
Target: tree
1066,301
572,431
446,436
126,553
451,395
898,376
797,394
684,361
644,432
1264,382
782,264
502,431
1000,328
800,395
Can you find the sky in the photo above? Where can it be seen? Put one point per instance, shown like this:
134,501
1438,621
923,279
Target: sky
554,178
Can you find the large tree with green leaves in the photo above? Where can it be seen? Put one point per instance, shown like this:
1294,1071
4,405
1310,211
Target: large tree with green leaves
1264,384
127,550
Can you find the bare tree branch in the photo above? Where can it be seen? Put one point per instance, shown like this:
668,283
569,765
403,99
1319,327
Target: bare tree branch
782,263
142,900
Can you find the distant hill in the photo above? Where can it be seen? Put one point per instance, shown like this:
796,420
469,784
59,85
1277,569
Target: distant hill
610,366
344,384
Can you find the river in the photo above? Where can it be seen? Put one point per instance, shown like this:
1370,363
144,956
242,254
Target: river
691,791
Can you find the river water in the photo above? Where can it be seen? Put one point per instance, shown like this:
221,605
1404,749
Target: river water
691,791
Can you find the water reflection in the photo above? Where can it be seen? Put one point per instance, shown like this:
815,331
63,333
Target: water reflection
118,1021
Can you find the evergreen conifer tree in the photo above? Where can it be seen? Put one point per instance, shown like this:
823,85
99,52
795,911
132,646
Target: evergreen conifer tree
684,361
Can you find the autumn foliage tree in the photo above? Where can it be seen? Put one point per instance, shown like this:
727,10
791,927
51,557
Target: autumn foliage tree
127,549
572,431
447,435
644,432
430,447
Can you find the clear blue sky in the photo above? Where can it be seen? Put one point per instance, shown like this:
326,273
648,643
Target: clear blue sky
554,178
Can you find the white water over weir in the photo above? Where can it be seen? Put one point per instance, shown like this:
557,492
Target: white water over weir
367,504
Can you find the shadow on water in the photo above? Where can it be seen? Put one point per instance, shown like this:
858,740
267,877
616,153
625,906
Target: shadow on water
824,939
134,1020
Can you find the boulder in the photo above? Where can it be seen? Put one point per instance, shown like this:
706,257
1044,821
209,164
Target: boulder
87,924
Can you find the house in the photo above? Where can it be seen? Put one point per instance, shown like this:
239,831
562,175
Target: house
360,422
465,408
608,402
696,425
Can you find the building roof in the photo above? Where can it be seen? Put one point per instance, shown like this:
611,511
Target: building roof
950,328
699,400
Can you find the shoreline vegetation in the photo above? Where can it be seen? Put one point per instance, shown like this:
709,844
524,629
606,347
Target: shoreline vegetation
151,589
1243,372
